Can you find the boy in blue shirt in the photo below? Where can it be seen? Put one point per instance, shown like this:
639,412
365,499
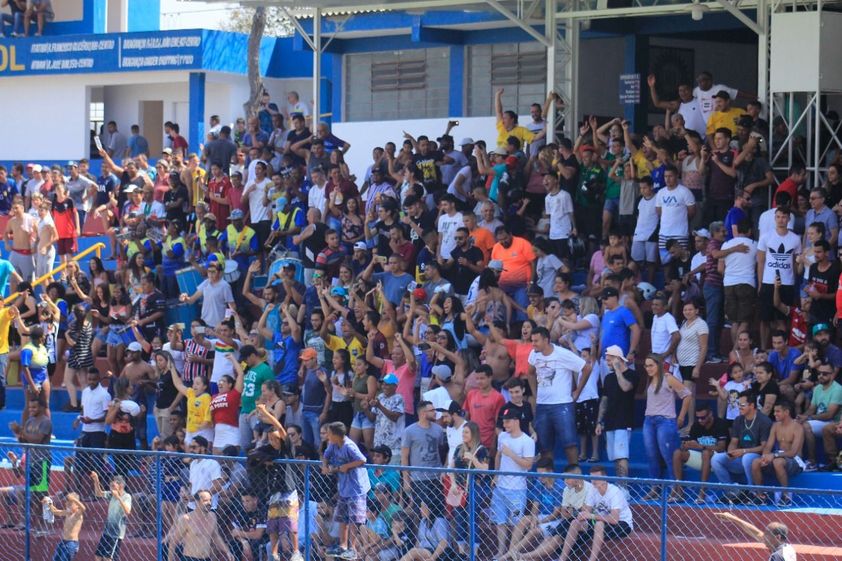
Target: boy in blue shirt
344,458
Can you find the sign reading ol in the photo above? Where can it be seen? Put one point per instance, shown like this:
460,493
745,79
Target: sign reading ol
9,59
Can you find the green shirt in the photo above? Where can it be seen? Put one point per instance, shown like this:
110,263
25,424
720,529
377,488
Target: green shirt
252,383
824,398
591,186
612,186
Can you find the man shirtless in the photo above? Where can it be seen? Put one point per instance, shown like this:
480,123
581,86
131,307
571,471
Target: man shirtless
22,232
74,515
197,532
780,453
140,374
493,353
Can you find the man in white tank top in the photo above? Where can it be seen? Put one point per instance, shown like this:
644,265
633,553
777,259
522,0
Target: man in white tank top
45,256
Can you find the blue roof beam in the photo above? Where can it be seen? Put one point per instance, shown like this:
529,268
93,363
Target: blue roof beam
422,34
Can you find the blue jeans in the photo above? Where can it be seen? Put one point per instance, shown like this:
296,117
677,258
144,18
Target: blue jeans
16,21
724,467
714,300
311,427
556,423
660,437
66,550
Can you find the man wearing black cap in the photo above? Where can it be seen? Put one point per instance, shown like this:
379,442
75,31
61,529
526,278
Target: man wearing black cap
723,116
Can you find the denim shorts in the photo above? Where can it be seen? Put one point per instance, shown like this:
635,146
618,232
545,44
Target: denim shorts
361,422
617,444
556,424
507,505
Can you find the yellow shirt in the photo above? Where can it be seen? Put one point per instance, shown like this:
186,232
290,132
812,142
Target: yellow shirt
724,119
5,323
199,180
642,165
521,133
198,410
355,348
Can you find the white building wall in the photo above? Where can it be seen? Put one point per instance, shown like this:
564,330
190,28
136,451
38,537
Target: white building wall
122,103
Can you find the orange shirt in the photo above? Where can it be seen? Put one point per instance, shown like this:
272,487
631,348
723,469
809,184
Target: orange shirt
517,261
484,241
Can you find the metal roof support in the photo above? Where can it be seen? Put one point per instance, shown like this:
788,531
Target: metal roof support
551,34
317,66
734,11
505,12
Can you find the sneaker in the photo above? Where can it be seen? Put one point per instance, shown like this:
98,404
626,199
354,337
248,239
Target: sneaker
348,554
334,551
784,501
810,466
297,556
715,359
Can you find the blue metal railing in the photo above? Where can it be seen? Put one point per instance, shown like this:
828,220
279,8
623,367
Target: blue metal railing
831,503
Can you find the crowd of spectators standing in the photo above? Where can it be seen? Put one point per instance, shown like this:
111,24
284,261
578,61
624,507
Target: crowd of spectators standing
426,315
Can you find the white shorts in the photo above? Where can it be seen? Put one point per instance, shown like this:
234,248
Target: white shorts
644,251
225,435
817,426
617,444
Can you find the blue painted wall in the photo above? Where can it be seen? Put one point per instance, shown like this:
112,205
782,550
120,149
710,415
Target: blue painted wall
144,15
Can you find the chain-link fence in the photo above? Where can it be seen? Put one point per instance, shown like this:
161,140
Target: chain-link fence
258,508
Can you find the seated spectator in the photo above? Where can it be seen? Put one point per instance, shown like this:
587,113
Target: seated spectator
708,435
608,509
433,540
825,409
40,12
780,454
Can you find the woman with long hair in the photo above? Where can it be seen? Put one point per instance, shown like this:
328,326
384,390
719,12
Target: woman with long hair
162,184
491,301
470,454
167,396
133,275
744,352
99,302
78,338
33,366
363,390
451,317
353,229
660,426
199,419
692,350
119,332
225,408
97,272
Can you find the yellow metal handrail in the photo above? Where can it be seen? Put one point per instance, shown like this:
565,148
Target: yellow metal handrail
97,247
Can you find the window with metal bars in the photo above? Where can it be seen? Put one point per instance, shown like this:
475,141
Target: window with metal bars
398,75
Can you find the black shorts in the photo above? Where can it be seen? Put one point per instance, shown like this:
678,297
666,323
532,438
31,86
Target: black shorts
261,229
586,416
768,312
613,531
561,248
108,547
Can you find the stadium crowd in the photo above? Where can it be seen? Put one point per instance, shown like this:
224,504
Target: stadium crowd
426,315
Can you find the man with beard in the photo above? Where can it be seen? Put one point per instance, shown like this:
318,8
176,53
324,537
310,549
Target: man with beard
197,532
827,350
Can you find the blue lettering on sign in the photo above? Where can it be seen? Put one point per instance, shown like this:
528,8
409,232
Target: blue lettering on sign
115,52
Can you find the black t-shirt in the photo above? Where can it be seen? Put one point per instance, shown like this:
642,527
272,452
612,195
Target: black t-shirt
718,430
181,195
825,282
294,137
429,169
314,245
165,390
525,412
462,277
750,434
147,305
570,185
125,181
677,268
721,186
620,411
427,223
771,388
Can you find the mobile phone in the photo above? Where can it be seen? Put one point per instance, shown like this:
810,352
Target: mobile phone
382,259
424,347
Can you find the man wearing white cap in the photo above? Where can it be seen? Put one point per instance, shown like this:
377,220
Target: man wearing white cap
616,407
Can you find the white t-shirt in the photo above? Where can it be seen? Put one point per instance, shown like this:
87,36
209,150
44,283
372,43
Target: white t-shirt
591,389
662,329
559,207
439,397
706,100
95,404
316,199
555,373
673,204
766,223
258,212
447,226
647,219
454,439
694,118
523,446
613,499
696,261
203,472
780,256
465,174
740,268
